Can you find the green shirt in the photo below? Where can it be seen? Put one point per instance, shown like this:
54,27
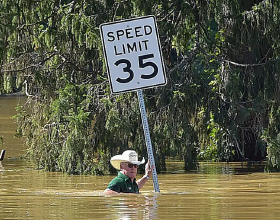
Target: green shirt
123,184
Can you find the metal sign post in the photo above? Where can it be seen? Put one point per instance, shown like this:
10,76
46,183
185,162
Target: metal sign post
147,138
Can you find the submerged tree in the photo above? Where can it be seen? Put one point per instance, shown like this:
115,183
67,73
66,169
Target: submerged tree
221,99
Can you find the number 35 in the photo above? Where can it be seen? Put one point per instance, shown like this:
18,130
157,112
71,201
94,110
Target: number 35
142,64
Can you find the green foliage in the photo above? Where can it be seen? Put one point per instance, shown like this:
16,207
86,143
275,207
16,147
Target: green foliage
222,61
273,154
209,152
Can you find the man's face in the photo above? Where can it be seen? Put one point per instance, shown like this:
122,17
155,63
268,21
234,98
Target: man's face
129,169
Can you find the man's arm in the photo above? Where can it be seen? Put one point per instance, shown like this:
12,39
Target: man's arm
148,173
110,192
141,182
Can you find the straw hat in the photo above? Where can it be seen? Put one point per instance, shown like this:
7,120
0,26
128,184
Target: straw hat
127,156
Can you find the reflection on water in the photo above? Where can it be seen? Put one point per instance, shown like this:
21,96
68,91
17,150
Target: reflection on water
214,191
132,206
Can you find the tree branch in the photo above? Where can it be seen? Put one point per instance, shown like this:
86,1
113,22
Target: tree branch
234,63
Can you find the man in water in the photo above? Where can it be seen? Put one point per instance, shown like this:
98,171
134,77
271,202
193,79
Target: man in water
126,182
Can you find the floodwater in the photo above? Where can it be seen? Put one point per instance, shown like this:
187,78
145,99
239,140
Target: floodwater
214,191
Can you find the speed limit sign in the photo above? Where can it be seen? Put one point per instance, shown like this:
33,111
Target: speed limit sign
133,54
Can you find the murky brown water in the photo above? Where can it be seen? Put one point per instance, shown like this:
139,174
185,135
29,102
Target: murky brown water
215,191
8,127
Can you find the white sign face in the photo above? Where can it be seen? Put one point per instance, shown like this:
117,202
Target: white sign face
133,54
